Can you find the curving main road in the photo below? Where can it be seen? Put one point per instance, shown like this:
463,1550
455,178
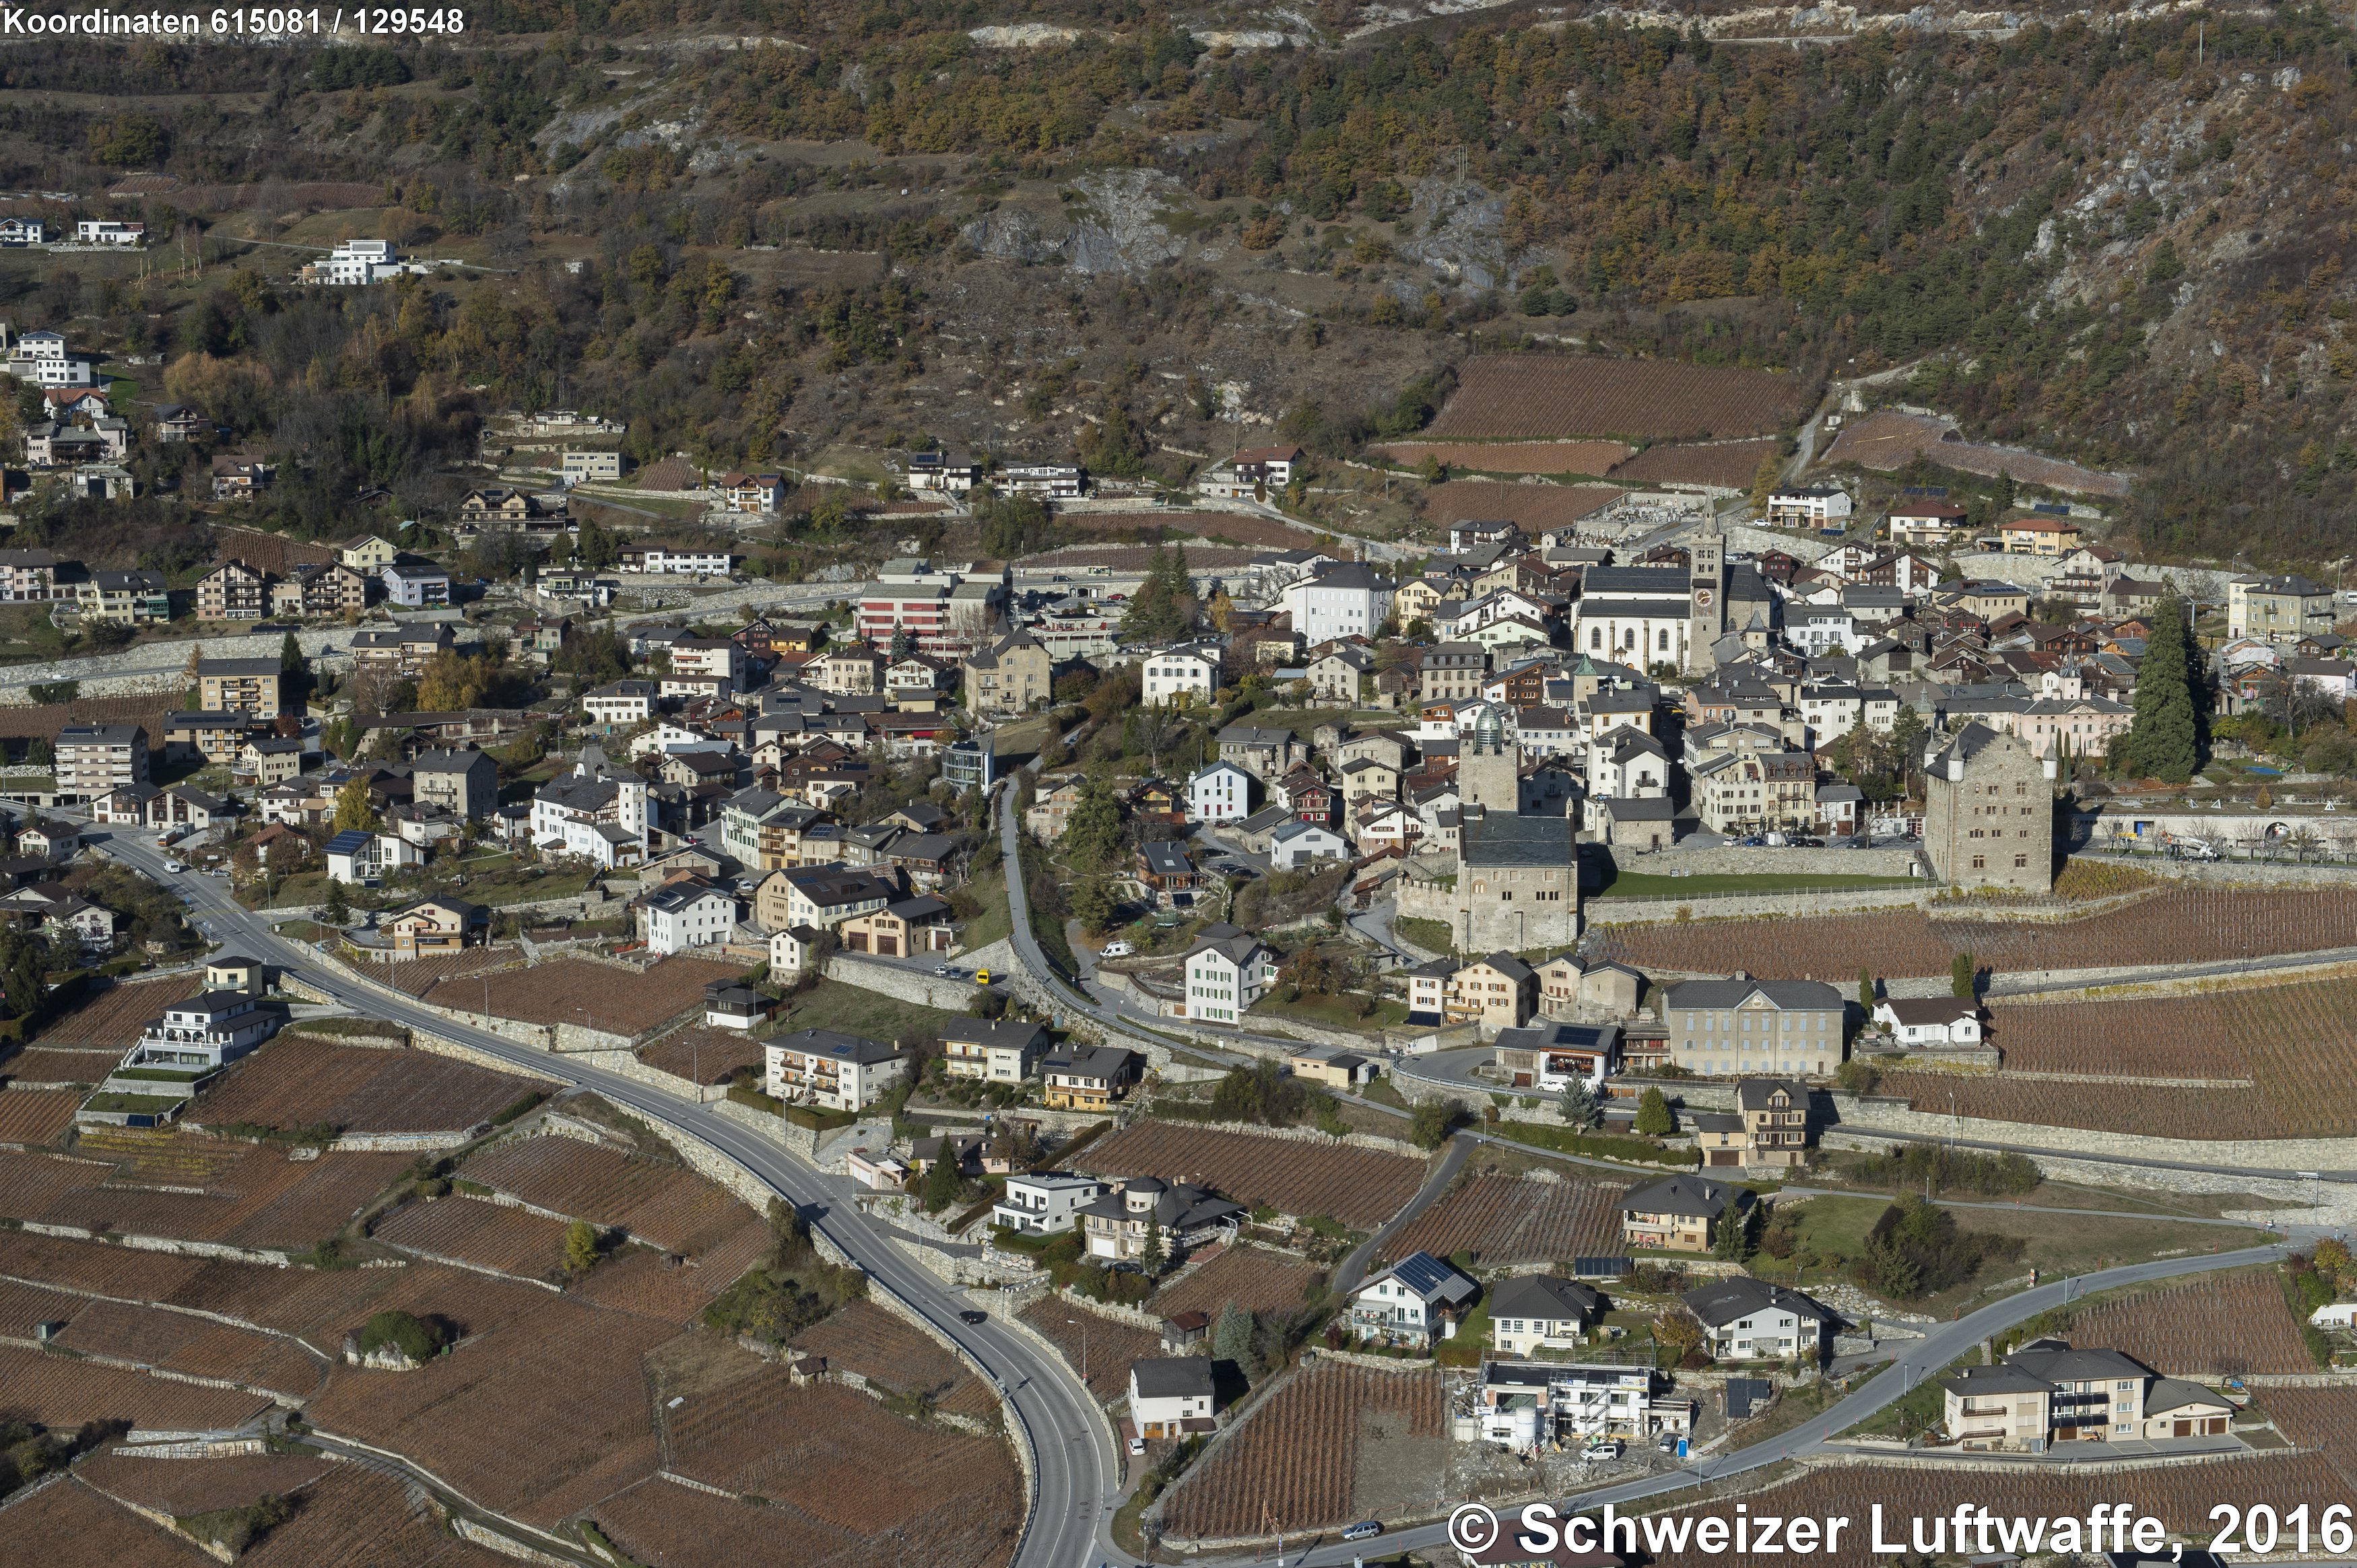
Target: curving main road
1077,1477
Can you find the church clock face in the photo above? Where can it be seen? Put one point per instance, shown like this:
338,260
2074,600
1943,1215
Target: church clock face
1702,598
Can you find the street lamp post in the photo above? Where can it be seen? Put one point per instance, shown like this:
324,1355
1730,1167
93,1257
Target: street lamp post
1084,1328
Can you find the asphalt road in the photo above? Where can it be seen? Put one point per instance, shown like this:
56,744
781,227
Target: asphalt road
1078,1476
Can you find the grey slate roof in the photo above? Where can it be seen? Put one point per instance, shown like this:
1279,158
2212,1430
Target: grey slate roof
1722,1302
1786,995
1505,840
842,1048
1541,1295
1173,1377
1689,1195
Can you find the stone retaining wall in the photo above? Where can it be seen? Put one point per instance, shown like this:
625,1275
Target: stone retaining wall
905,984
408,1142
1136,1317
1734,860
140,669
171,1244
441,1045
1886,1122
1755,906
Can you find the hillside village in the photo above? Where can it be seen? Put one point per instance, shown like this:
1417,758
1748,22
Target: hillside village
844,788
1673,851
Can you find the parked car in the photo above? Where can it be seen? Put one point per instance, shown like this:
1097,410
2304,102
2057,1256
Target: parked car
1137,1445
1365,1530
1117,949
1604,1448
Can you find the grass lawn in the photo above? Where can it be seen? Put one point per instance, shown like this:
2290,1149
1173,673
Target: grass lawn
1918,1410
852,1011
2052,1243
1432,936
1301,720
996,922
1796,1406
1473,1337
499,879
1563,1140
1633,885
298,891
1382,1092
1022,739
1334,1011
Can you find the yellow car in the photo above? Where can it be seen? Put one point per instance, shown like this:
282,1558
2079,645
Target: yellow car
981,977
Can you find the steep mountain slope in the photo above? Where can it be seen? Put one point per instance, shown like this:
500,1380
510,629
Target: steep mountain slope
2111,235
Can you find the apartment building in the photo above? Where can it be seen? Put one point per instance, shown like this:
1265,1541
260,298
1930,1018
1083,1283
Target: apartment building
233,591
835,1072
250,686
92,759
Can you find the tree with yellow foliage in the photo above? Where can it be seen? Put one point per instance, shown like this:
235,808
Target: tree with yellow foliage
452,681
353,808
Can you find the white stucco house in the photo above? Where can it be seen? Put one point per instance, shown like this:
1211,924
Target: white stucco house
1220,793
1297,844
1180,675
687,915
1932,1021
1228,971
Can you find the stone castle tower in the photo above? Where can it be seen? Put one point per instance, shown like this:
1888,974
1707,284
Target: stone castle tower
1490,770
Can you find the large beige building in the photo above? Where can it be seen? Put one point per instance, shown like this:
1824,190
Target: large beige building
2047,1392
1012,676
248,685
1988,812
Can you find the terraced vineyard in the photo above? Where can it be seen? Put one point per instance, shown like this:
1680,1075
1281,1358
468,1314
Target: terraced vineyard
195,1347
667,1205
245,1195
1514,1220
821,1449
114,1016
1361,1188
2296,1043
1252,1277
489,1235
1293,1465
865,1338
1535,396
1595,459
63,1393
607,997
301,1082
543,1411
37,1115
99,1529
1106,1347
2325,1419
2173,925
192,1487
2228,1326
2176,1038
419,976
1731,465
